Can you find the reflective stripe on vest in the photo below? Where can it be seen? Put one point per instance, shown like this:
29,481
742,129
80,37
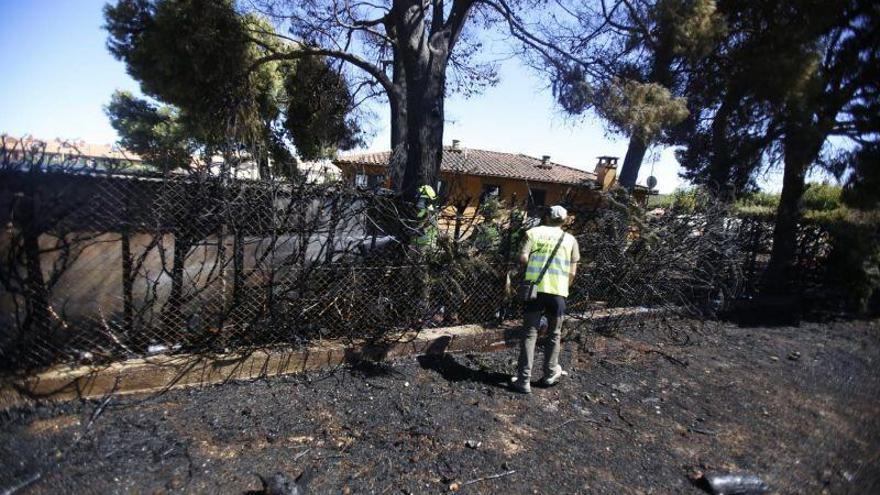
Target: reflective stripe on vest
543,239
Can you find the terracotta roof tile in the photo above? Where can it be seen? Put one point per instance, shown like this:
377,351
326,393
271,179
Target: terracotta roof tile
488,164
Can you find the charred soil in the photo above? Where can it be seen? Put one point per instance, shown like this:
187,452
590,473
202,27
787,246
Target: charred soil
639,412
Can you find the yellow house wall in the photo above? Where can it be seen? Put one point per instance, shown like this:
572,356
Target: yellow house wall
462,187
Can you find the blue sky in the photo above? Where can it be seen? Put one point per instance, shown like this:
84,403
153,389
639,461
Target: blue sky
58,75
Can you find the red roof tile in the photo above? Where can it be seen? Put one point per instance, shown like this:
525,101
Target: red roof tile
487,164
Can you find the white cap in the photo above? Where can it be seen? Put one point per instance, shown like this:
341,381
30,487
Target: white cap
558,213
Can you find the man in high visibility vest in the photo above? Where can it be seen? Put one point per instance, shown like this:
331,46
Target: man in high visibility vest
424,243
425,215
425,200
561,268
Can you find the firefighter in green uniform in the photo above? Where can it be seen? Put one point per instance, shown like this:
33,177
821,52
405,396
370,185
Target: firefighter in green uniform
427,219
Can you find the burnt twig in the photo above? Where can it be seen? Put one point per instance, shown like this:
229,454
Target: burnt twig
486,478
30,480
95,414
301,454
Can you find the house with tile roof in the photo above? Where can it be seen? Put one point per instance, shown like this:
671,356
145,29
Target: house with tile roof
61,151
471,175
109,157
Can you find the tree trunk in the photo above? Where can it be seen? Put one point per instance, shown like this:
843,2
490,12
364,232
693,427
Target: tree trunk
398,120
424,55
263,162
397,101
635,153
785,230
801,148
638,145
424,135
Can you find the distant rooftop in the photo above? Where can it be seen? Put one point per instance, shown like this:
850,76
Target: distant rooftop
73,148
485,163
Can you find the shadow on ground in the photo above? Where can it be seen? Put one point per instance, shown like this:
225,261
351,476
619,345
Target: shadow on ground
448,366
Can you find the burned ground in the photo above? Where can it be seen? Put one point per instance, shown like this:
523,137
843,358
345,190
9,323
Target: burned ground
639,413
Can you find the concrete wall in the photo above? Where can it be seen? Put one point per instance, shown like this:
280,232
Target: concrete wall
89,263
91,284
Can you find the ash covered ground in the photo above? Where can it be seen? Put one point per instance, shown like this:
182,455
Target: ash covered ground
640,412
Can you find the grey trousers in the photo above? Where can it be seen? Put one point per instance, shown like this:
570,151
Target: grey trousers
554,308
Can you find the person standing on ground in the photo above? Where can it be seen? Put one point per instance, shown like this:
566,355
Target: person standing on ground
561,267
425,243
426,217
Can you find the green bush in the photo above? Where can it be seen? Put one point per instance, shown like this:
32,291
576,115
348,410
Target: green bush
682,201
755,212
758,199
853,265
685,200
660,201
822,197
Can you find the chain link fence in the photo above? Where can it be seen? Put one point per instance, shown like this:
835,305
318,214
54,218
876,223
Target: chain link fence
99,265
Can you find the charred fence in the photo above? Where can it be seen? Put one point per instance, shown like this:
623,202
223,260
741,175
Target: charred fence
100,265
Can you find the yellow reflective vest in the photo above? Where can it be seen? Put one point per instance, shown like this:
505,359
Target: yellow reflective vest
425,203
540,242
425,213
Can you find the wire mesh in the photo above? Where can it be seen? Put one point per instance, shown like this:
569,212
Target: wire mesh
101,265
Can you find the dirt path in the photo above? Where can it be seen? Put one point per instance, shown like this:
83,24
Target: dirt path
799,406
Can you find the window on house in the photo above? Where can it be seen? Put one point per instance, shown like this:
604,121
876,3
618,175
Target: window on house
441,187
376,180
360,180
490,191
537,197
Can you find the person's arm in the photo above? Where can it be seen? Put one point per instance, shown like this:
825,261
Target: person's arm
525,252
574,258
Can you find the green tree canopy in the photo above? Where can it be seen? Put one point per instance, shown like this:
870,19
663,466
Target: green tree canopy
317,109
626,61
200,56
153,132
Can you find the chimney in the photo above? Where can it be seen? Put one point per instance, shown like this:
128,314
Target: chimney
606,172
456,144
545,162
